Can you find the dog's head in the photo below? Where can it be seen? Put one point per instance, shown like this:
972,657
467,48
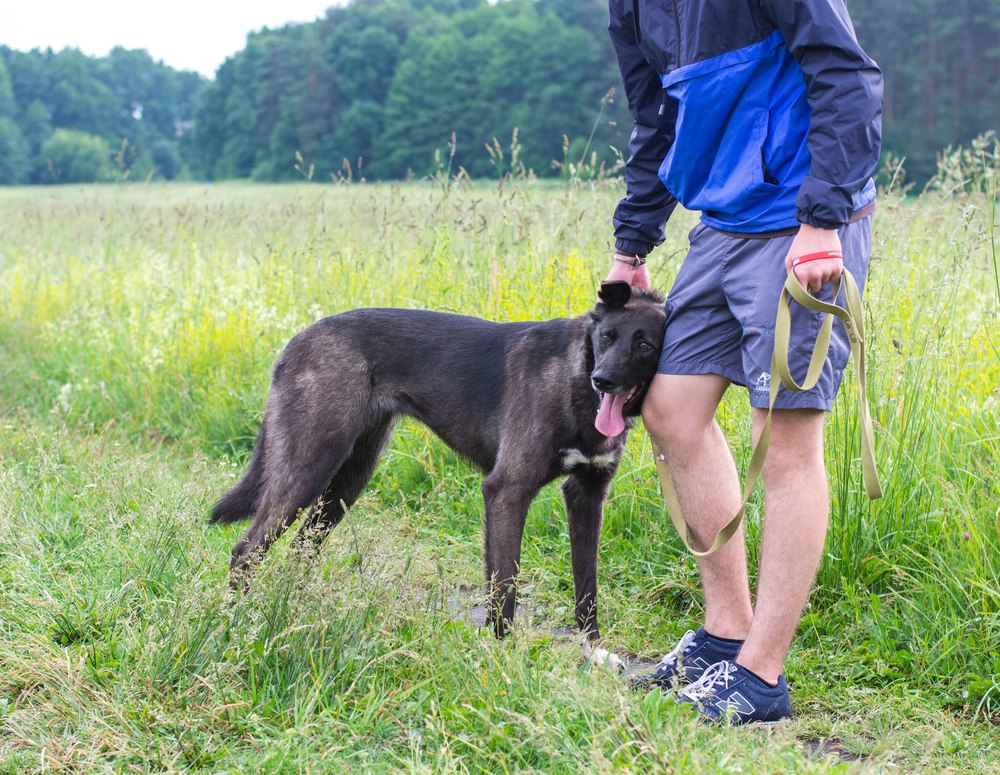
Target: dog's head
626,333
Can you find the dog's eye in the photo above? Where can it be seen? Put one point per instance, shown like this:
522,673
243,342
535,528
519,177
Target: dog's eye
645,346
606,337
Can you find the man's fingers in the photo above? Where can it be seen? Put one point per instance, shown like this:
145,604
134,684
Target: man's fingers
641,278
815,274
636,277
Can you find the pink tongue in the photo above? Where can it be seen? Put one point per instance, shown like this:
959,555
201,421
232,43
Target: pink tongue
609,416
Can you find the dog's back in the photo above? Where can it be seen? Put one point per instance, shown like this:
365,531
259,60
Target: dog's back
448,371
364,367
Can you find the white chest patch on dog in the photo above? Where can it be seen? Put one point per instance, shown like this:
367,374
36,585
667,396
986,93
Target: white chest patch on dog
571,458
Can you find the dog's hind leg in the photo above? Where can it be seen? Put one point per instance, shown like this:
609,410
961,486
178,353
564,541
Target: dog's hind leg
347,484
584,496
297,476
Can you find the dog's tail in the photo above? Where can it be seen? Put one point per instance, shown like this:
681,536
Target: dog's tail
242,500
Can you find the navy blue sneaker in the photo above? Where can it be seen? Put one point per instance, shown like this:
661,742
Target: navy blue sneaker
695,653
728,693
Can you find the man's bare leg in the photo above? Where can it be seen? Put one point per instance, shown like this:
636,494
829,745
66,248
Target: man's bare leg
796,513
679,413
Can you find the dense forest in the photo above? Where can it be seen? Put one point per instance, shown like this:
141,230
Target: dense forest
396,88
66,117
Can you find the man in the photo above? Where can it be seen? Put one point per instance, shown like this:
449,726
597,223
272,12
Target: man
765,116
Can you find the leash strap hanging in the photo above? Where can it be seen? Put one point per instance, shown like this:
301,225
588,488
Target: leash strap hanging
852,316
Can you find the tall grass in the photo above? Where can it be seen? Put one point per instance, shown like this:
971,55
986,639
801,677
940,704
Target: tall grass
137,329
167,305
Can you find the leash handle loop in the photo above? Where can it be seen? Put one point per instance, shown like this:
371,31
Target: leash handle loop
852,316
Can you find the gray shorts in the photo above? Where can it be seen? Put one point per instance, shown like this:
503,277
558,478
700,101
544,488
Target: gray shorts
722,306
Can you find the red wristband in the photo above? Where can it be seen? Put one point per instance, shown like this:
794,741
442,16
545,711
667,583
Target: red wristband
817,257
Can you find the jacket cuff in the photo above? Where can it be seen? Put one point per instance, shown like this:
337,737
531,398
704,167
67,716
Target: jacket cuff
823,204
633,247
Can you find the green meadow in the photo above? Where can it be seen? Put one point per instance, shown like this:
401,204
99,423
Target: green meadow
138,324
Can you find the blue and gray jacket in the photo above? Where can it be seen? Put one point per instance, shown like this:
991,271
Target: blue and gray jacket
761,114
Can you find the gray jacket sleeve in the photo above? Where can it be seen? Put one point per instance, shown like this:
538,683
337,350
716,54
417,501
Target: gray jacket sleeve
641,216
845,94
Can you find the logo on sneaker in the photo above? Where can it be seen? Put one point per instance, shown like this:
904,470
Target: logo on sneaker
735,704
763,383
694,668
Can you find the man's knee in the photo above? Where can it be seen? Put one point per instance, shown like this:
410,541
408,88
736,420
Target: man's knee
680,409
796,443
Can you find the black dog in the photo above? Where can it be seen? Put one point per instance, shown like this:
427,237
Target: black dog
526,402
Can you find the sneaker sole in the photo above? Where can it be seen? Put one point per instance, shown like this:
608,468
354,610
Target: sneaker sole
766,724
745,725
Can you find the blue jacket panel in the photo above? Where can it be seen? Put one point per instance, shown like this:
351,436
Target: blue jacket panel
759,113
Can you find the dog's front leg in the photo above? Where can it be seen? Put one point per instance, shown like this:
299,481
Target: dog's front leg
506,509
584,496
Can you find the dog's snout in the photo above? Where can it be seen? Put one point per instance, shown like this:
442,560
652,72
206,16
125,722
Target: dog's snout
601,382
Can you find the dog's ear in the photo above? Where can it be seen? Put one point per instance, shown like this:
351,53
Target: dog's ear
615,295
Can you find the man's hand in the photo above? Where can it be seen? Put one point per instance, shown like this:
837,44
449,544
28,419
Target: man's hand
813,275
634,276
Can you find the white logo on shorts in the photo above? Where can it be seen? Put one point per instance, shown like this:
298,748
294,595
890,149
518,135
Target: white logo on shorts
763,384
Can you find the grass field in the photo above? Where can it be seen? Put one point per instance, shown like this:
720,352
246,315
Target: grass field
137,328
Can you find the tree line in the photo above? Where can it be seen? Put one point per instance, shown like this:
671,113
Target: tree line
388,89
66,117
378,88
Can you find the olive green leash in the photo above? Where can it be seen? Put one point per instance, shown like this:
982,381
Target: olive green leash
852,316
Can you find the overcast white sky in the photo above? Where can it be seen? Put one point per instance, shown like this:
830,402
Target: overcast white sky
186,34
